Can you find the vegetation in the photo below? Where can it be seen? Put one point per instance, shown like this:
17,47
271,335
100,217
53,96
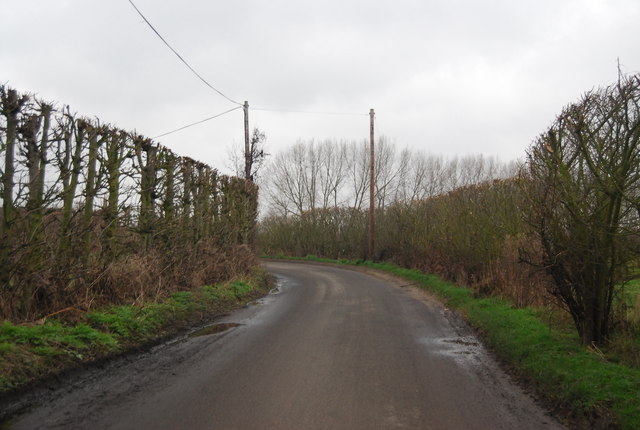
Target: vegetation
564,232
583,193
93,215
29,352
471,235
98,218
312,176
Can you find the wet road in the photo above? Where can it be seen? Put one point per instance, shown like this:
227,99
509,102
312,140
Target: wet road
329,349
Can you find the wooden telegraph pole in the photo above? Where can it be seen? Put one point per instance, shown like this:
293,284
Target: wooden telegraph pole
371,188
247,154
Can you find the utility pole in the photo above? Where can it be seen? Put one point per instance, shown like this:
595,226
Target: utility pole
247,154
372,224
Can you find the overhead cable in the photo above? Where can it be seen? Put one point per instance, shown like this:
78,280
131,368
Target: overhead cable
180,56
308,112
198,122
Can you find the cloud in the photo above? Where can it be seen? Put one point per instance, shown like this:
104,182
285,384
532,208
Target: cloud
453,77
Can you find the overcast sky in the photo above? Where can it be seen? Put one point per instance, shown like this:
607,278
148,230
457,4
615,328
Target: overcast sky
450,77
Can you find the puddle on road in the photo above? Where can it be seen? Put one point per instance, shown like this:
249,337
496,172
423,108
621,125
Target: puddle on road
456,348
214,329
247,315
460,342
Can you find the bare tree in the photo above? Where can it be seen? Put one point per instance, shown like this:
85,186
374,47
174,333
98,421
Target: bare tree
287,187
413,176
358,168
35,136
386,171
332,172
69,161
12,105
313,175
582,184
257,156
172,215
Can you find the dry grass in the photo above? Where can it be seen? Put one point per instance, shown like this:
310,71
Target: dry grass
136,278
517,281
151,276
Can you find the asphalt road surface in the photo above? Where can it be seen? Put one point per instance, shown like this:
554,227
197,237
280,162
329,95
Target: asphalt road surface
330,348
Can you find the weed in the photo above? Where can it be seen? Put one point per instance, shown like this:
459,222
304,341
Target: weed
182,297
119,320
46,351
5,347
211,293
240,289
54,333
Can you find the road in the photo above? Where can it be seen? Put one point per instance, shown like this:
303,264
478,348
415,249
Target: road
330,348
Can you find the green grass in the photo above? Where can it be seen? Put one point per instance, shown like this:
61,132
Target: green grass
29,352
631,297
142,323
599,393
240,289
624,346
54,334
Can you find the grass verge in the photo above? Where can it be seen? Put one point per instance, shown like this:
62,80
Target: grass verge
579,383
29,353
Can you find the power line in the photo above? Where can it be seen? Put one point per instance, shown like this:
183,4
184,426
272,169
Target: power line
309,112
261,109
180,57
220,92
196,123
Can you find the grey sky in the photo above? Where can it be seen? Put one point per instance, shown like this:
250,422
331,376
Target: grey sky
450,77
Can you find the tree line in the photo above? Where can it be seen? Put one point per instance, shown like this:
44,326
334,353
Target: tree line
564,226
314,175
95,214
